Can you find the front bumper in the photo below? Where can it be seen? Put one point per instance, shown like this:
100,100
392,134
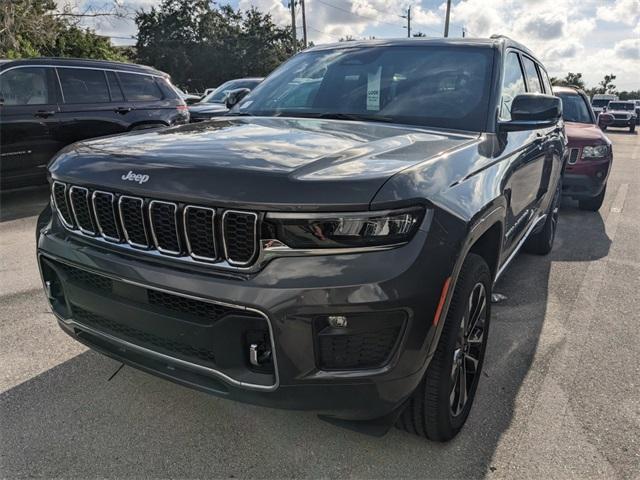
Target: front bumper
289,295
619,122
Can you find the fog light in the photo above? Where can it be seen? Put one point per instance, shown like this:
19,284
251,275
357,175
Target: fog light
338,321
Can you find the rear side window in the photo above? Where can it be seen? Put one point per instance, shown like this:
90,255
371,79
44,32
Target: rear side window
83,85
139,88
512,84
114,87
167,90
25,86
533,81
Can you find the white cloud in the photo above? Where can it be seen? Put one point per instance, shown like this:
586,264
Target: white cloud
620,11
628,49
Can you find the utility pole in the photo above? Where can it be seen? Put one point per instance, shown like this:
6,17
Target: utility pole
463,32
304,24
408,17
292,4
446,21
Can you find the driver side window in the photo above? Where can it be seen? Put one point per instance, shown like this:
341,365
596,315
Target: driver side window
512,84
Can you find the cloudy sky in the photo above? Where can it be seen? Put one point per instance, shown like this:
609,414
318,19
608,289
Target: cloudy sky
594,37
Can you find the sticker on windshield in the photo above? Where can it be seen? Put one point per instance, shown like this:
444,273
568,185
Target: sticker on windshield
373,90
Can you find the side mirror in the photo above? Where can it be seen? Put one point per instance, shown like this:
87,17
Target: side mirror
530,111
604,120
234,96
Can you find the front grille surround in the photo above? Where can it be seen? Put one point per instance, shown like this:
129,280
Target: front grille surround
108,226
236,258
185,232
169,218
195,245
82,214
574,154
138,231
61,204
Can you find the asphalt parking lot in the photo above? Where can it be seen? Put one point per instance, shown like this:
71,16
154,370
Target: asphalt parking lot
560,396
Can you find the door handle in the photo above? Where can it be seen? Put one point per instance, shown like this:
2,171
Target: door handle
123,110
44,113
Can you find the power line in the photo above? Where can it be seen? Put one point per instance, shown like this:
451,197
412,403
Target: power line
357,14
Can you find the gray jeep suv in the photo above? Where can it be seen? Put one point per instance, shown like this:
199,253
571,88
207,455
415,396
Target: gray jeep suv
331,245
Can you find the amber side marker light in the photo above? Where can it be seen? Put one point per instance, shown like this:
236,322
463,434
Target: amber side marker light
443,297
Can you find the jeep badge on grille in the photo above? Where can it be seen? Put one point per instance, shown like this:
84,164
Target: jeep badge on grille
135,177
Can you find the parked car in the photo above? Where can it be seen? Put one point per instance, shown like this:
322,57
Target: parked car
47,103
590,151
189,98
337,254
600,101
214,103
637,104
624,114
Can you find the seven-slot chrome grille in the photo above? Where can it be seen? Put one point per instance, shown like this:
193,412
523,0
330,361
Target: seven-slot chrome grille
169,228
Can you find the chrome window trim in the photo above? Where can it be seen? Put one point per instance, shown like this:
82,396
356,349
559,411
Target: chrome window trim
108,69
208,370
186,233
153,230
256,246
55,204
124,228
75,215
113,209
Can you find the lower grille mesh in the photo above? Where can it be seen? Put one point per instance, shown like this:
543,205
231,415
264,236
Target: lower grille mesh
365,350
141,338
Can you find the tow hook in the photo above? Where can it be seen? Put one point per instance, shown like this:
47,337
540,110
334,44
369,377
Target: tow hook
259,354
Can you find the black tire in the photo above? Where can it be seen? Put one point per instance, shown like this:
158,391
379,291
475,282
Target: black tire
592,204
429,412
604,127
541,243
632,128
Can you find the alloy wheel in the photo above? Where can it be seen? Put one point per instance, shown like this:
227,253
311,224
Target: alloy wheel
468,349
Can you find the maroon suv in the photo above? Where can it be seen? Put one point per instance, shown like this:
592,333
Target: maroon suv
590,153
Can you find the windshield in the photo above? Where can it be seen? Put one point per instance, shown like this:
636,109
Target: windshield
219,94
445,87
621,106
575,109
600,103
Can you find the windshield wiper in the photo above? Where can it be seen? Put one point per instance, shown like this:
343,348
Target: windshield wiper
354,116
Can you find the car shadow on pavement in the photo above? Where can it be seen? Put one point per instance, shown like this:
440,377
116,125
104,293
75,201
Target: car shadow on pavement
72,421
22,203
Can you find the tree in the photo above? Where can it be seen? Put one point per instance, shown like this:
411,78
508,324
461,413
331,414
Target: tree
30,28
605,84
201,45
570,80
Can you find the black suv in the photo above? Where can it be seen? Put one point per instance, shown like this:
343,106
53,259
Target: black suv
331,245
48,103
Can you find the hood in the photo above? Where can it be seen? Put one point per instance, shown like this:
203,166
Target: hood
582,134
213,108
254,162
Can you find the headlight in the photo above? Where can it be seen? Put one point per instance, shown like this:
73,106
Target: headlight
343,230
597,151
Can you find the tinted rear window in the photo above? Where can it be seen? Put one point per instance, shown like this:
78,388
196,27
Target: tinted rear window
139,88
83,85
25,86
